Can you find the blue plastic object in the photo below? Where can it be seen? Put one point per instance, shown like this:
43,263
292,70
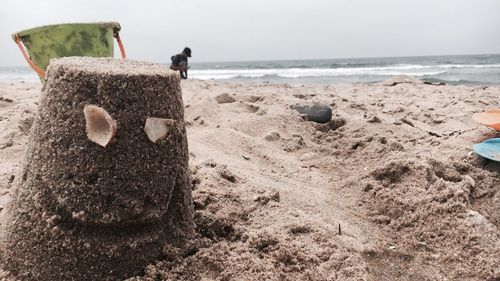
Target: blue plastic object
489,149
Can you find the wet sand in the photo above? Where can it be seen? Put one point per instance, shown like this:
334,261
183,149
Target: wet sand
389,190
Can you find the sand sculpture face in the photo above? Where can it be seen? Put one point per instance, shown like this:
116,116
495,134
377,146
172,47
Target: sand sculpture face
129,204
105,182
100,129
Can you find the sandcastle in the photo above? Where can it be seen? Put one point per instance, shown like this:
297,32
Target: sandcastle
105,182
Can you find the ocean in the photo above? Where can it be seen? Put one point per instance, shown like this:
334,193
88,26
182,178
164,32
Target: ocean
455,70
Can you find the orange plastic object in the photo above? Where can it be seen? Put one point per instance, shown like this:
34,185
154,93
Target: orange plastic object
490,118
120,44
35,67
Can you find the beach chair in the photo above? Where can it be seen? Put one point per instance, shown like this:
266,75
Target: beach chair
40,44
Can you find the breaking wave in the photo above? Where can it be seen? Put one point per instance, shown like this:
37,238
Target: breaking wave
413,70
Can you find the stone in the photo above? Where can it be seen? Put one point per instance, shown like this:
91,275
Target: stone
82,211
319,113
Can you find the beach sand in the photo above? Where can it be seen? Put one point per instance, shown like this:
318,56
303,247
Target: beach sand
388,190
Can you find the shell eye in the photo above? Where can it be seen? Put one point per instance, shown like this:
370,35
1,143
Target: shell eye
100,126
158,128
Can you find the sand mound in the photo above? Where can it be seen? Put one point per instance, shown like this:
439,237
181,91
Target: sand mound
429,205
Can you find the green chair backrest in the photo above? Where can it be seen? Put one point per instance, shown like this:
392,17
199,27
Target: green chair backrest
63,40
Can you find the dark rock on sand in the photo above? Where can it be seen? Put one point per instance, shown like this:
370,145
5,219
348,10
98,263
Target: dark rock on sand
319,113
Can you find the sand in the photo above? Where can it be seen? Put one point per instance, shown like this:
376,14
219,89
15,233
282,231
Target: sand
388,190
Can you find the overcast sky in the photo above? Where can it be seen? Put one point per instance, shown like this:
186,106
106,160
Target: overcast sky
232,30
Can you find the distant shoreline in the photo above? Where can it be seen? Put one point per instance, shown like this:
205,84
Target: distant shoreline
453,70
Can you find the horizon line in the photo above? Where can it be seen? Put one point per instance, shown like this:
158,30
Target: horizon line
340,58
315,59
